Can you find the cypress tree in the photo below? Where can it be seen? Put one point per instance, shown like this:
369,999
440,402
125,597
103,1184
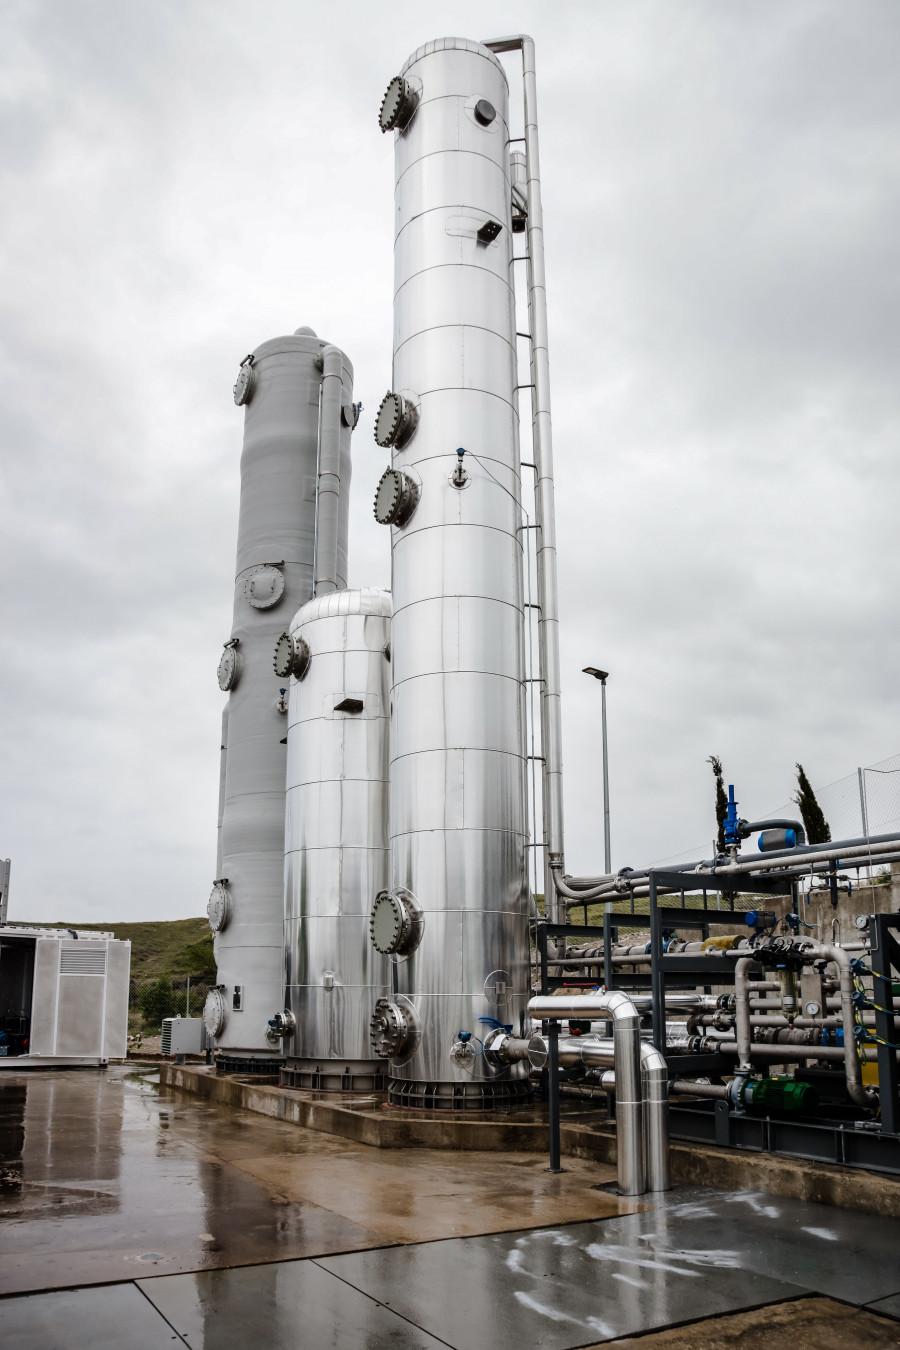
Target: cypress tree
721,801
818,831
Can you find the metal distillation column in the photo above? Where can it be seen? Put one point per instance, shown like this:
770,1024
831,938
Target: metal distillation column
279,386
457,727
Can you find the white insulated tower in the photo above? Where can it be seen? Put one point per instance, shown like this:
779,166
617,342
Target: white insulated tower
297,395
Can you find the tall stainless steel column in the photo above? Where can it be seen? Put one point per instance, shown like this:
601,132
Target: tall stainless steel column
455,921
280,385
336,837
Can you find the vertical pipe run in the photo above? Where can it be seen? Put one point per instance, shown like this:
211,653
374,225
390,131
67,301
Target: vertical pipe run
656,975
553,1091
330,483
545,510
607,847
617,1006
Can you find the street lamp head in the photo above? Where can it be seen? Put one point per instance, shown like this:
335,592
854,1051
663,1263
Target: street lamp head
597,674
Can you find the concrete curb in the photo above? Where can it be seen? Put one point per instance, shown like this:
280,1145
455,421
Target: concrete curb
691,1164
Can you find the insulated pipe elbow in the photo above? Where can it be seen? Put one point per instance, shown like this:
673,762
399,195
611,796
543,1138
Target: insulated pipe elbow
858,1093
655,1089
742,1028
329,487
615,1006
595,1055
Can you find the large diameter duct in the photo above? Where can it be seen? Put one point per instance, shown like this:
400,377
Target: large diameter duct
457,727
286,438
336,837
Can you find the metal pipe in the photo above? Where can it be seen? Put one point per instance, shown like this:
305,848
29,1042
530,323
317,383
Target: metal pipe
860,1095
779,1020
801,858
632,881
655,1097
655,1085
330,486
743,1034
617,1007
684,1087
782,1054
743,1030
545,510
598,1055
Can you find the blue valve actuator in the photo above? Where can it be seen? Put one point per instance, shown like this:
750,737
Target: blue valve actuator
732,832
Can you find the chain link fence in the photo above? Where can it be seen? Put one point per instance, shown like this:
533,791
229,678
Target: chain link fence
152,1000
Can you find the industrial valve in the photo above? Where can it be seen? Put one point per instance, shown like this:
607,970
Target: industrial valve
390,1028
282,1024
462,1052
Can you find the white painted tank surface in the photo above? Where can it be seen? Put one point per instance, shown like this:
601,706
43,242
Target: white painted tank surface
336,837
297,395
457,727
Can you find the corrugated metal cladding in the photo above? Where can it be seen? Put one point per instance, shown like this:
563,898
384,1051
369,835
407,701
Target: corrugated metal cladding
78,960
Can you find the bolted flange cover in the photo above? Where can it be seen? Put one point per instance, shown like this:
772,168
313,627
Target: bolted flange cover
292,656
214,1012
398,105
389,1029
396,497
395,924
396,420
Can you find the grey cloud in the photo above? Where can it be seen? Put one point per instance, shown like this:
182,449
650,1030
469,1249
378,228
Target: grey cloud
185,180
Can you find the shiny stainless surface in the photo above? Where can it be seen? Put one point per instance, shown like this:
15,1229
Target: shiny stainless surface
457,727
545,508
616,1006
335,834
333,489
277,525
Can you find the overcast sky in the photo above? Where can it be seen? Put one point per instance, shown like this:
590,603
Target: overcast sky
181,181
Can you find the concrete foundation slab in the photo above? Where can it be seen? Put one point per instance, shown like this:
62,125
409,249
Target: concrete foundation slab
584,1135
104,1319
280,1307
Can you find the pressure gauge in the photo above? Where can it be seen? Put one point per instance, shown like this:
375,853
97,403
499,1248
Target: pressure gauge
229,667
292,656
218,906
214,1012
812,1009
350,414
243,385
862,922
264,587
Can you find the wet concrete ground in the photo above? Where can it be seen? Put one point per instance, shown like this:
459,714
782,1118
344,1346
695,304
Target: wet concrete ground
109,1178
145,1219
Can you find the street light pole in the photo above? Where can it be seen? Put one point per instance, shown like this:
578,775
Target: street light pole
603,676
